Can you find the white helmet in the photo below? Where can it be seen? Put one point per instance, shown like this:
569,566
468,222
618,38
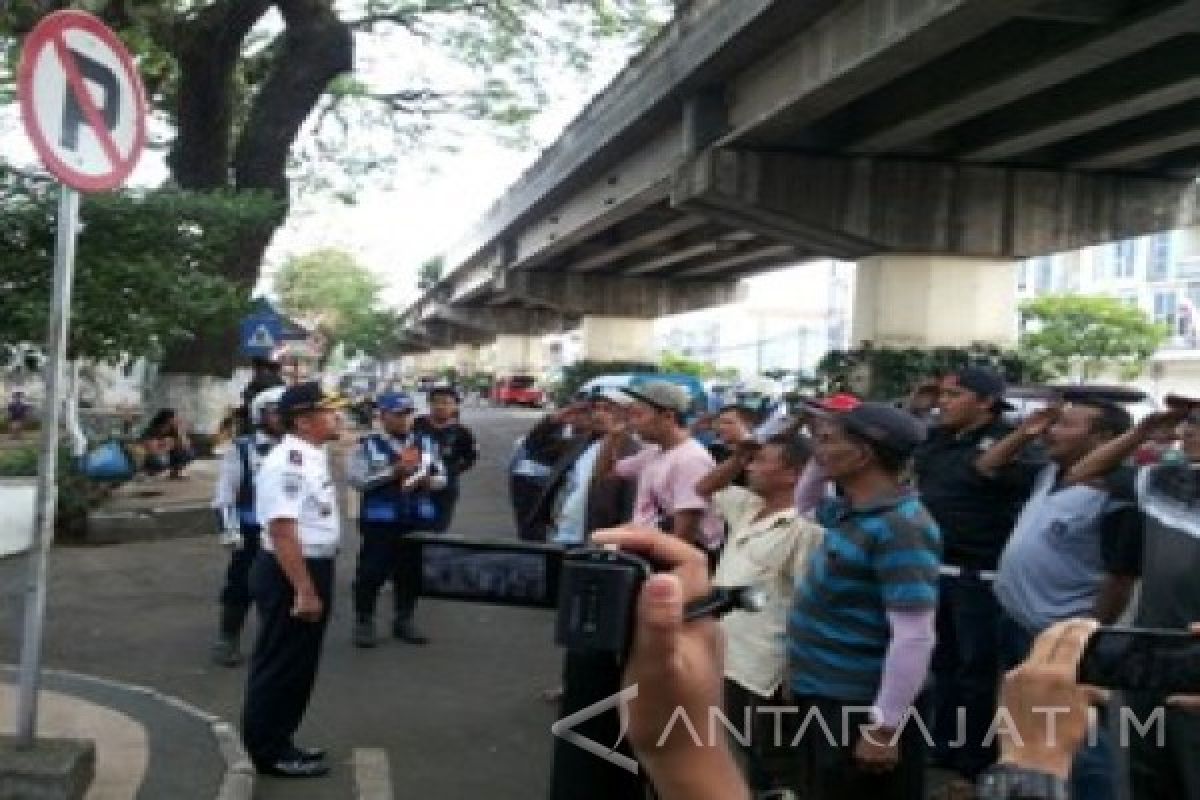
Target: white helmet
265,401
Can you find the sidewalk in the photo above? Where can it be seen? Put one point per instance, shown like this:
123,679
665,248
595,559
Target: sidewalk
148,746
154,507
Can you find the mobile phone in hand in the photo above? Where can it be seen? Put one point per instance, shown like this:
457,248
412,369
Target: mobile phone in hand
1139,659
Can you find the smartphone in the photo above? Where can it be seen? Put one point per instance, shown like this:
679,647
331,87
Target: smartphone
1139,659
497,571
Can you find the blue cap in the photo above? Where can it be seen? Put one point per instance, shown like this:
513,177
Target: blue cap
395,402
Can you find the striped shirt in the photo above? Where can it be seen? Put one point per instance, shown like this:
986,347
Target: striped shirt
880,557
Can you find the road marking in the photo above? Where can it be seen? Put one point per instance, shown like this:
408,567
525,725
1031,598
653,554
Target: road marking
372,778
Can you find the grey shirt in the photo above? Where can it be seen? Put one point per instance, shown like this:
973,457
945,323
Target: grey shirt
1169,497
1055,561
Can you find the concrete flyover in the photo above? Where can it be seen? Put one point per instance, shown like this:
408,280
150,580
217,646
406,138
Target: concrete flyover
932,141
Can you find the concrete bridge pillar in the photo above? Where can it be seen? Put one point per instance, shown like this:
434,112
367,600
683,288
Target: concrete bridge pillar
466,358
518,353
617,338
935,301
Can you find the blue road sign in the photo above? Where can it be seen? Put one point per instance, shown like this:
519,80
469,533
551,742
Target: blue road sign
261,334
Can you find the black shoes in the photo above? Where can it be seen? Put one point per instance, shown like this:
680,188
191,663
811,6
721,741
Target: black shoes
295,767
310,753
225,653
405,631
364,632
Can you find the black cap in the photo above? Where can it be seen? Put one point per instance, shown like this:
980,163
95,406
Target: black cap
885,425
986,383
309,397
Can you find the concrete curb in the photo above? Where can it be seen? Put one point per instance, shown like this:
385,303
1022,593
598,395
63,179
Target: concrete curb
238,781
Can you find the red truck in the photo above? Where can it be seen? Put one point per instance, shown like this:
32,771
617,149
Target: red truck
518,390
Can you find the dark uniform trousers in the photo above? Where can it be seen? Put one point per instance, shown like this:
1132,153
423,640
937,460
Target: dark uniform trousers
235,594
386,554
284,665
445,500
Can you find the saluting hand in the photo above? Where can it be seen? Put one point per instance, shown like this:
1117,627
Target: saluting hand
1163,422
1040,421
307,607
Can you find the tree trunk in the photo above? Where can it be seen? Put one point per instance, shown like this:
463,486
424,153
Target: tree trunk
315,47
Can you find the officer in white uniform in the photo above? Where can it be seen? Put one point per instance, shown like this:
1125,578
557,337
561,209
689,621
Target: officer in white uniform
237,520
292,582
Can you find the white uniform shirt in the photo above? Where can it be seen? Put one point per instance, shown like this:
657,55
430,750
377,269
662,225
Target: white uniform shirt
294,483
229,478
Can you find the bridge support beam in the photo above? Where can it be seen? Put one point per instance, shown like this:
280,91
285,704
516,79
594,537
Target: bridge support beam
618,338
514,353
935,301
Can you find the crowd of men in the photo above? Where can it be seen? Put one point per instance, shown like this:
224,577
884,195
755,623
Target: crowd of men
910,559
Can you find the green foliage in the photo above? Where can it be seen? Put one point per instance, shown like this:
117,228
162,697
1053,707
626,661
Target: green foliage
76,494
579,373
1085,336
325,287
19,462
330,289
672,362
889,374
146,267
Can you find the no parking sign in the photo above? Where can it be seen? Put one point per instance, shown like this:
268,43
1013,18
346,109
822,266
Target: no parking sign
84,109
82,101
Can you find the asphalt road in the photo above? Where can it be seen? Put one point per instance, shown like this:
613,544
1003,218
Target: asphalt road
460,718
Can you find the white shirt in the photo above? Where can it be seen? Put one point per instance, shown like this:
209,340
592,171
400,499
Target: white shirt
294,483
229,478
771,553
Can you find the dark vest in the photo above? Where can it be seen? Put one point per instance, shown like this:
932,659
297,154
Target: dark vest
247,516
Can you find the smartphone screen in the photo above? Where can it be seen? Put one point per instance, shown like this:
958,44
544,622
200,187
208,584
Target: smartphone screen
1158,661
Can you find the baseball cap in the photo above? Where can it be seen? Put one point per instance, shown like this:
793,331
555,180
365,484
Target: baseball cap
614,396
309,396
986,383
662,395
842,401
395,402
887,426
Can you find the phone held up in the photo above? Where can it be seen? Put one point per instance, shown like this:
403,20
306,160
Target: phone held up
1162,662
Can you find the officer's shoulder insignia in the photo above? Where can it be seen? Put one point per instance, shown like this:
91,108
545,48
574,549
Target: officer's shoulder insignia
296,457
292,484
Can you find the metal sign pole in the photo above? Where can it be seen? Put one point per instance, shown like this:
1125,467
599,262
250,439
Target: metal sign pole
43,526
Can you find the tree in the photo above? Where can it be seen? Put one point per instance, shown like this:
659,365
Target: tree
239,88
144,276
1085,336
672,362
329,289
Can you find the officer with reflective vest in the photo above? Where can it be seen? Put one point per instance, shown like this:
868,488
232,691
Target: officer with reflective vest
396,470
239,526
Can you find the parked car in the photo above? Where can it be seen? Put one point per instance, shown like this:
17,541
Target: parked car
518,390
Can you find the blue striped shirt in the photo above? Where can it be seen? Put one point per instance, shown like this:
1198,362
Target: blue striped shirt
880,557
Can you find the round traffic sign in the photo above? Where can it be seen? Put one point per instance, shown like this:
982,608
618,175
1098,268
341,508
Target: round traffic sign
82,101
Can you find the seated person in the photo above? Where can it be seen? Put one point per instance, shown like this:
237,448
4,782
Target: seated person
166,445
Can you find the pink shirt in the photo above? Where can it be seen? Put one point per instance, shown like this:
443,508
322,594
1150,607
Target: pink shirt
667,484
